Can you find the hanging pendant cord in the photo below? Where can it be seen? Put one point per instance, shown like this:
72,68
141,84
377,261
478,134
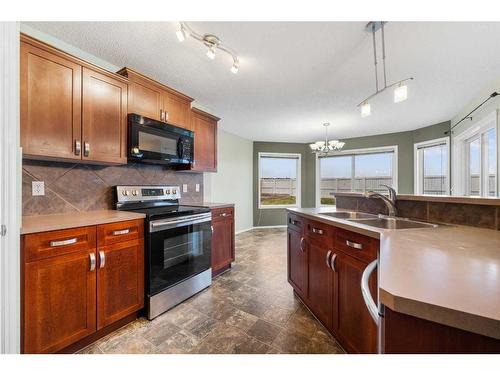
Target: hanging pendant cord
383,54
375,56
494,94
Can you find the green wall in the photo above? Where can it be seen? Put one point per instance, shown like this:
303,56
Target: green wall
404,141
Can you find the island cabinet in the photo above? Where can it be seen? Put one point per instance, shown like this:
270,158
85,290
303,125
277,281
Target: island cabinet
70,110
325,265
154,100
78,282
222,239
204,126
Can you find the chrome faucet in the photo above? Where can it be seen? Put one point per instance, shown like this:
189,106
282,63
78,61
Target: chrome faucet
389,201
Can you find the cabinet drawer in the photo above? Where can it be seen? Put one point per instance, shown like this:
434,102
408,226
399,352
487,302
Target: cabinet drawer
361,247
49,244
320,231
108,234
296,222
222,213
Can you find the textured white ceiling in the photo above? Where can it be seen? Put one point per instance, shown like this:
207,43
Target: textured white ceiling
296,75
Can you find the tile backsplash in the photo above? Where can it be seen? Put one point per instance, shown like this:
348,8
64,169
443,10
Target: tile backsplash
80,187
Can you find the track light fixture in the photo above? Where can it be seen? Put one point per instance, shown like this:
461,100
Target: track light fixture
212,42
400,90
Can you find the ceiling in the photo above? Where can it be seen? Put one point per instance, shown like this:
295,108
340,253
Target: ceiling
296,75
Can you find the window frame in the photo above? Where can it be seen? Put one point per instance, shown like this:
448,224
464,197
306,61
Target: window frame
418,164
353,152
298,201
460,166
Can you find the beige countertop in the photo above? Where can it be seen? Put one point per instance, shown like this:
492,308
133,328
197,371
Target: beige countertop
449,275
211,205
44,223
486,201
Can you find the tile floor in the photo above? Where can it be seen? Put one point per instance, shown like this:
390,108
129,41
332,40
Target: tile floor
249,309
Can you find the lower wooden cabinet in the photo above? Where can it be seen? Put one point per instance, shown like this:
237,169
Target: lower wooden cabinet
72,288
327,278
222,239
59,301
297,262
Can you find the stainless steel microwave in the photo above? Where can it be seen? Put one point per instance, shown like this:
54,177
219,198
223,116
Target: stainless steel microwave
155,142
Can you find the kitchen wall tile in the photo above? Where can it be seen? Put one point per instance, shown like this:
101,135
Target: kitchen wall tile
463,214
78,187
412,209
372,205
348,203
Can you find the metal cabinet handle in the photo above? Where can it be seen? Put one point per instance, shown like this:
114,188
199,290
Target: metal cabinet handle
166,116
86,149
161,115
224,214
294,222
354,245
317,231
102,259
120,232
78,147
332,262
92,261
302,240
63,242
365,291
328,258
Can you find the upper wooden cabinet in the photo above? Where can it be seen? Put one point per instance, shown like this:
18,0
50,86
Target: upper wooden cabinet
104,130
152,99
50,103
204,126
70,110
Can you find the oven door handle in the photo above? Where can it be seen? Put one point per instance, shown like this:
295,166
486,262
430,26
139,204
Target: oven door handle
168,224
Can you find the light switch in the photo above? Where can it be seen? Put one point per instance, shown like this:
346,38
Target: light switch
197,188
184,188
37,188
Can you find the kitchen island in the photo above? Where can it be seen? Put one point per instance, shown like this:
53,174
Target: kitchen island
447,275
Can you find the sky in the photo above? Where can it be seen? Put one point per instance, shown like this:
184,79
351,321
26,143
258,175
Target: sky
278,167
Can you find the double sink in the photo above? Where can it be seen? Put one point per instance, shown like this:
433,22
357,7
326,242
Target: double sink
379,221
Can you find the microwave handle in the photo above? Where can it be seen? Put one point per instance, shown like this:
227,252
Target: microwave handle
180,149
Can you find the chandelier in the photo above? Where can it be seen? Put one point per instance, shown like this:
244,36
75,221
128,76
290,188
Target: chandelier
326,147
212,42
401,89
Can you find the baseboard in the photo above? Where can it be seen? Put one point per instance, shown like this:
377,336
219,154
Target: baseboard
269,226
243,230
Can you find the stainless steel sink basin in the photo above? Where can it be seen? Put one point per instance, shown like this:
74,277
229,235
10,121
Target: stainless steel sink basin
394,223
349,215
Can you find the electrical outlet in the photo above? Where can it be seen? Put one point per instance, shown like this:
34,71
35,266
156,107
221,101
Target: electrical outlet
37,188
184,188
197,188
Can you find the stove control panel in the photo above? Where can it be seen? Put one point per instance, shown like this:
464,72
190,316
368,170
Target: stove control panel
147,193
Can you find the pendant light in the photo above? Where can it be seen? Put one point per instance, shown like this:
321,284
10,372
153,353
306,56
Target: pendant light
326,147
400,87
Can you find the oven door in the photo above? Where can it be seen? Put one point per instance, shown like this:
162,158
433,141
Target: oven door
178,249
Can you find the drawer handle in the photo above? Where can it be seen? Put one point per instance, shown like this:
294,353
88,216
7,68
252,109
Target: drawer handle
302,240
328,258
92,261
120,232
332,262
71,241
354,245
317,231
224,214
294,222
102,259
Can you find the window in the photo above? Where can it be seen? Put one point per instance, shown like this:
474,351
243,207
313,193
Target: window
355,171
431,160
279,180
475,167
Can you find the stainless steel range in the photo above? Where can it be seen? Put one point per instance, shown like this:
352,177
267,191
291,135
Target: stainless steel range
177,244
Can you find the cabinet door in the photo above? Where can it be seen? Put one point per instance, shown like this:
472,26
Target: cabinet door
222,243
145,99
104,118
355,325
205,143
297,262
320,283
59,301
176,110
50,105
120,281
